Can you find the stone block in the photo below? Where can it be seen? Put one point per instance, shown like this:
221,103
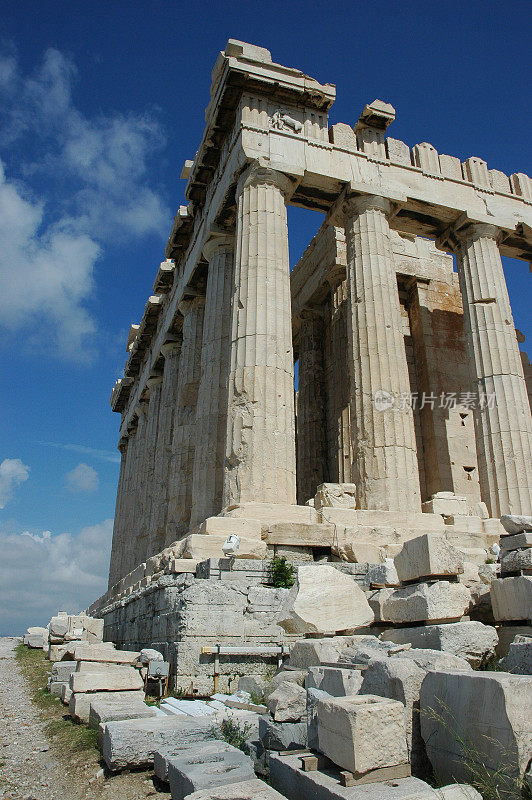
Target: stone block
79,703
400,679
397,151
450,166
427,555
324,600
246,528
355,551
62,670
514,523
198,546
364,648
516,541
446,503
106,681
56,687
335,495
268,513
385,574
425,602
511,598
302,534
489,709
182,565
473,641
246,790
59,627
287,703
516,561
103,711
34,640
286,675
336,681
350,727
287,777
66,694
342,135
102,652
207,765
425,156
519,658
313,695
132,743
282,735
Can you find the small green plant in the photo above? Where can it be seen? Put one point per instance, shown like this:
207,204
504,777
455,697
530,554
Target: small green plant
490,560
281,573
233,733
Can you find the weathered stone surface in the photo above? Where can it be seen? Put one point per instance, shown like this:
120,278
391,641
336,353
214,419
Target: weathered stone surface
199,547
400,679
105,681
62,670
516,560
425,601
513,523
207,765
516,541
358,552
350,727
132,743
427,555
335,681
324,600
101,652
519,658
491,710
313,695
364,648
385,574
288,778
511,598
102,711
79,703
446,504
246,790
471,640
282,735
291,675
311,652
335,495
34,640
287,703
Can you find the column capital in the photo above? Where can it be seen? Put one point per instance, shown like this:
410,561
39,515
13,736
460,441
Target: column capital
260,175
186,306
123,443
154,381
463,231
171,347
354,205
218,241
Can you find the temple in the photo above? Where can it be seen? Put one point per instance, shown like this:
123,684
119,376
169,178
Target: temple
410,413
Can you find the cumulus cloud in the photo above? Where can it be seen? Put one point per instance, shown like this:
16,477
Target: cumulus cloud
12,473
41,574
82,478
72,184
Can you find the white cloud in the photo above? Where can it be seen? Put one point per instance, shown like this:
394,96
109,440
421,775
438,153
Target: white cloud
103,455
12,473
82,479
42,574
72,184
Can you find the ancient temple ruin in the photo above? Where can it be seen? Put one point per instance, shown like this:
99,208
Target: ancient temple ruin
411,399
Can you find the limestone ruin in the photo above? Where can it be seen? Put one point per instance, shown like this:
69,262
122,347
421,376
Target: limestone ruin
411,414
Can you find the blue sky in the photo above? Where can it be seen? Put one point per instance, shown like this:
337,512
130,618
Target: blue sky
100,104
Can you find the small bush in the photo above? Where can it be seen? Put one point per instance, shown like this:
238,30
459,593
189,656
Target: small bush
233,733
281,573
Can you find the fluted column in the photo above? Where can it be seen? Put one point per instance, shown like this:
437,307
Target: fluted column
260,448
311,408
148,491
133,543
207,484
118,526
165,431
385,464
503,423
185,431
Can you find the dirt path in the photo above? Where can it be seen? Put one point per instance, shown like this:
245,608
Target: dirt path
33,767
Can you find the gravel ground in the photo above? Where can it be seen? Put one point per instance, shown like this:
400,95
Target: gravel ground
30,766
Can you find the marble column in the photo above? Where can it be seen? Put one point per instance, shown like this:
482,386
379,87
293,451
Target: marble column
311,408
171,352
260,463
503,425
185,431
133,544
385,466
149,493
207,484
118,526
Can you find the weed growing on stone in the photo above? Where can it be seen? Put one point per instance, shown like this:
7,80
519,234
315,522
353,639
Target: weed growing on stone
233,733
281,573
493,784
